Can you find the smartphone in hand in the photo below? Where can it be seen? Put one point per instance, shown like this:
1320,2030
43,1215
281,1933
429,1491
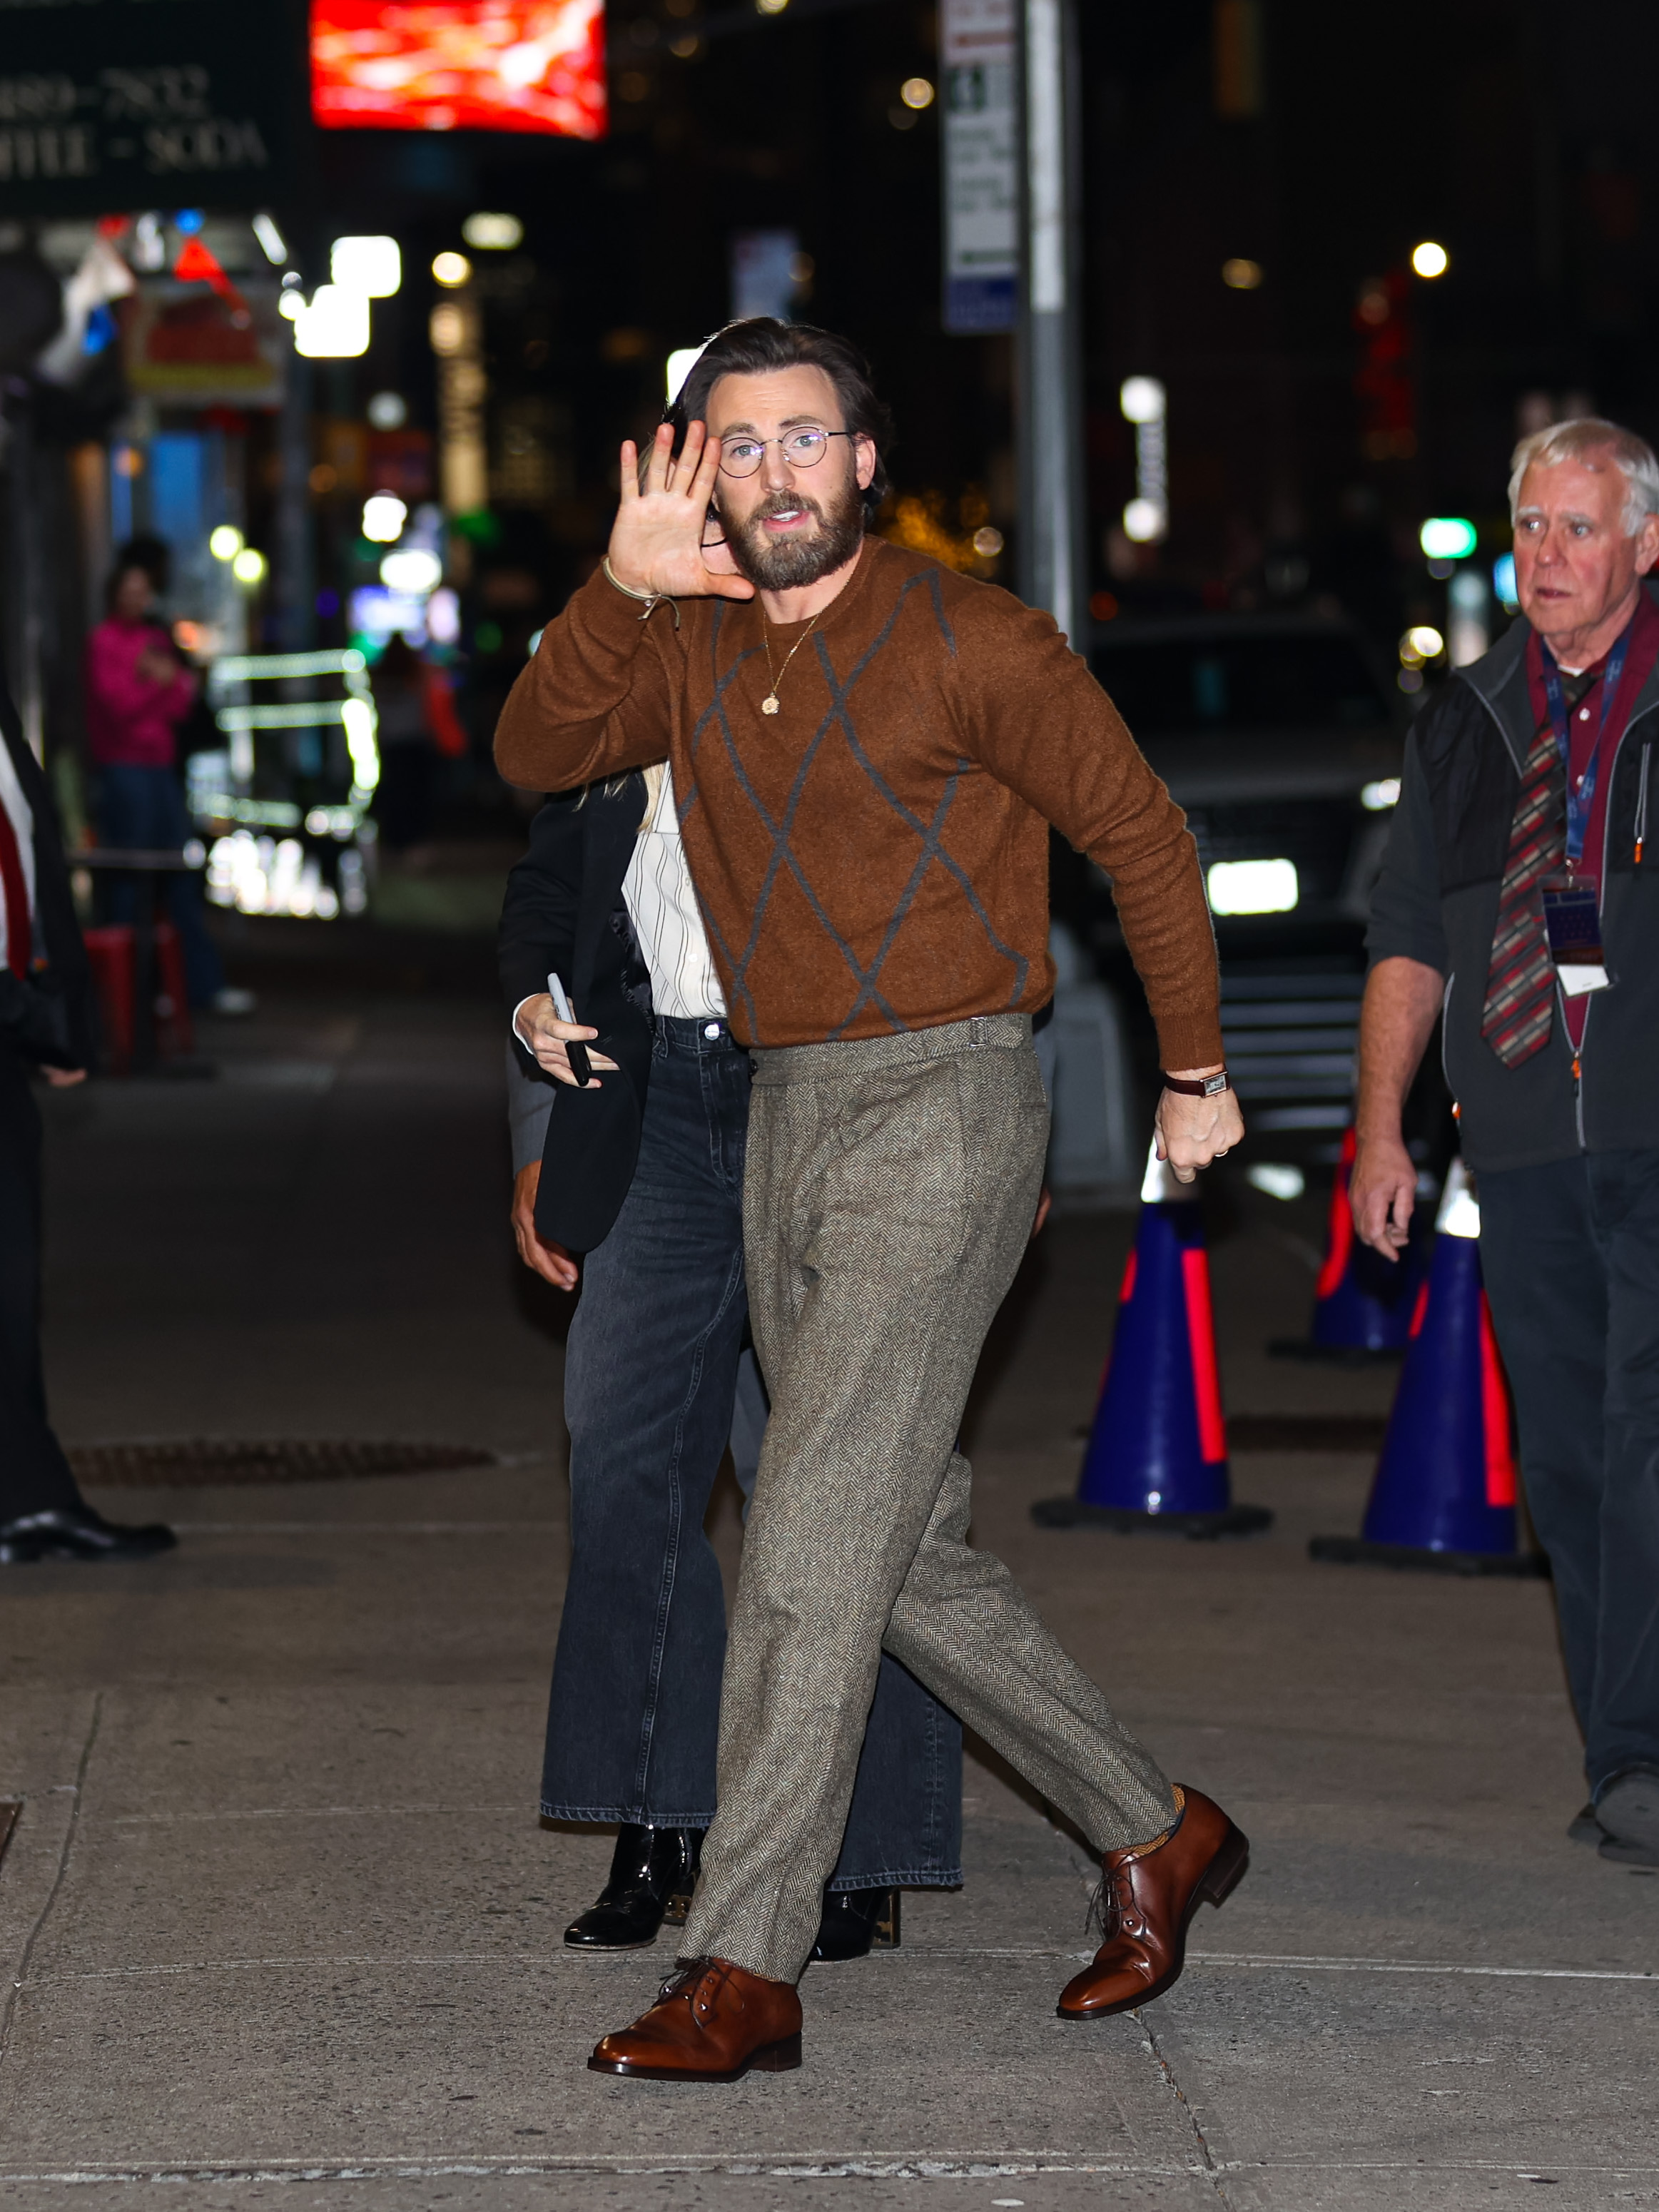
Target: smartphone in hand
580,1065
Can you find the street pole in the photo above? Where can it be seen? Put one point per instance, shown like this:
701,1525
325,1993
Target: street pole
1053,467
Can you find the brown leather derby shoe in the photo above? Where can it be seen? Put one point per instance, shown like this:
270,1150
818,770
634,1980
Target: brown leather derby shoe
1148,1894
712,2023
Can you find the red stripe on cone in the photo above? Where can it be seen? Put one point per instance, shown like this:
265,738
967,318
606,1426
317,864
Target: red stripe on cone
1200,1334
1126,1292
1495,1411
1339,1233
1421,1307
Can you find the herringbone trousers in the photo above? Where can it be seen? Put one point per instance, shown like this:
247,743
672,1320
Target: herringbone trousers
890,1187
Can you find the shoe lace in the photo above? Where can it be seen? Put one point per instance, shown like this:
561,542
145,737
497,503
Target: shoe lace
689,1980
1113,1897
1113,1903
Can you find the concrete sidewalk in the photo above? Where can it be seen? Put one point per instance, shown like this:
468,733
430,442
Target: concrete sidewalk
279,1926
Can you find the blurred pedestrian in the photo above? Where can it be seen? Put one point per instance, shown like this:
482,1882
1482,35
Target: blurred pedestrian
137,692
643,1173
867,749
45,1023
1519,894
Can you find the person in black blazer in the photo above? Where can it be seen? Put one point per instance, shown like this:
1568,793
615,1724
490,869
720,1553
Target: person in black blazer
564,913
45,1024
642,1172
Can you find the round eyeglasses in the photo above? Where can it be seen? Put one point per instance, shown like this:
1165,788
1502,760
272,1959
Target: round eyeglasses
802,449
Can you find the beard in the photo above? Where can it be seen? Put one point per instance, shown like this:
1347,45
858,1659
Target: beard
786,568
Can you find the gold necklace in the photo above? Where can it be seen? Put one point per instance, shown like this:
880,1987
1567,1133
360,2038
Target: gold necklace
772,704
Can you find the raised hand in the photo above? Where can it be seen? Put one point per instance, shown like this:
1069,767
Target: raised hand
716,553
656,542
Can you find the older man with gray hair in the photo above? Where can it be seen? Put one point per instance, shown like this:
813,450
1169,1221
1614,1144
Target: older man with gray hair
1519,893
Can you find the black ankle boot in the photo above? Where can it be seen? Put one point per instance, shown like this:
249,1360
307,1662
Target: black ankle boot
652,1872
857,1922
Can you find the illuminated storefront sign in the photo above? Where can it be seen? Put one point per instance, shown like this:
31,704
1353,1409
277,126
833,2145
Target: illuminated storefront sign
459,65
106,106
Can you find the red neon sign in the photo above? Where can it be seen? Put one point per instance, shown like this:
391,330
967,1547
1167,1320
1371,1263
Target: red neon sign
448,65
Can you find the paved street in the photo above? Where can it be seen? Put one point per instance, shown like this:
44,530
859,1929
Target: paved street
280,1926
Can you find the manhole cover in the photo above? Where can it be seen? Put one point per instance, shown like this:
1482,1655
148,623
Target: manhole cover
263,1459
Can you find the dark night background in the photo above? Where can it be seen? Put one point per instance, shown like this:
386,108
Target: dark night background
1314,420
1467,124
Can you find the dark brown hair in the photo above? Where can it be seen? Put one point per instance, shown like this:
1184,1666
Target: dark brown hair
763,344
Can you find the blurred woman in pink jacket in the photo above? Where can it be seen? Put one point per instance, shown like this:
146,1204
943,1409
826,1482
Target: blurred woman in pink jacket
137,692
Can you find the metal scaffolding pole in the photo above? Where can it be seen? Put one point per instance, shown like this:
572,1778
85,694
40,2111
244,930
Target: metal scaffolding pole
1053,496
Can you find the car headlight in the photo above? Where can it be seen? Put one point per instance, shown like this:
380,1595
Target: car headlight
1378,798
1252,886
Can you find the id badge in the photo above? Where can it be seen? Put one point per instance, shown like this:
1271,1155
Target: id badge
1572,918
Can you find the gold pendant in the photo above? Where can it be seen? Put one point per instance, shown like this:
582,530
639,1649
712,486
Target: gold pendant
770,706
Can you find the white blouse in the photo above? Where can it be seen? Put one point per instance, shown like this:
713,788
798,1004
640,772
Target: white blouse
667,921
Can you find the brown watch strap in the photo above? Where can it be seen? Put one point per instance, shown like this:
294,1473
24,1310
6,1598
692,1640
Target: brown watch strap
1198,1087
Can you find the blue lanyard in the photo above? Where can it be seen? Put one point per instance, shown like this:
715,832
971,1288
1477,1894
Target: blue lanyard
1580,801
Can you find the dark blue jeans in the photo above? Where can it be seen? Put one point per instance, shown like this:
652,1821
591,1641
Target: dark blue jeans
1569,1254
650,1377
144,808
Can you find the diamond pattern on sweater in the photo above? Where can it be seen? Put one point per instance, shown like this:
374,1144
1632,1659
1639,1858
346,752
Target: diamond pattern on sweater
783,859
782,854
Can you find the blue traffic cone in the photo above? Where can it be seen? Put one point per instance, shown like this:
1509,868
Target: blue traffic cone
1363,1303
1157,1450
1444,1496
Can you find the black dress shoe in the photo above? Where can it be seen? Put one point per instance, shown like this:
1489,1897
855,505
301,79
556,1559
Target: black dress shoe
78,1534
652,1873
857,1922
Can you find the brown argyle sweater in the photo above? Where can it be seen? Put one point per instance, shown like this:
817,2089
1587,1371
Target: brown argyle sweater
874,857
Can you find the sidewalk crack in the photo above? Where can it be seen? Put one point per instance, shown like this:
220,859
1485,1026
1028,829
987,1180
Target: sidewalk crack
8,2013
1211,2171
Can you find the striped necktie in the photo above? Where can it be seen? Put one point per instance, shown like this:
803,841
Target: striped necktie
1520,1002
14,891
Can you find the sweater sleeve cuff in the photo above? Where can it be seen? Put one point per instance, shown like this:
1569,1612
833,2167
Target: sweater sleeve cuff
1190,1044
610,618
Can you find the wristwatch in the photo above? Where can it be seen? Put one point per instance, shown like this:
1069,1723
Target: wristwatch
1198,1087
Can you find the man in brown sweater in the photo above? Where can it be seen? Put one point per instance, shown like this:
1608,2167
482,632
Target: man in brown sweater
865,751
